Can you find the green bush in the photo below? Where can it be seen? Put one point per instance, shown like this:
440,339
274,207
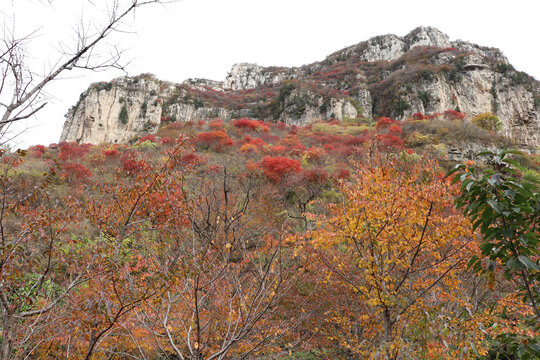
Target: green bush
123,116
400,106
425,97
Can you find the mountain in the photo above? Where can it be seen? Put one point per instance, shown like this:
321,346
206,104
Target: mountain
423,72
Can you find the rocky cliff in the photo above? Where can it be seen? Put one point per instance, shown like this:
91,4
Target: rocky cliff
114,112
422,72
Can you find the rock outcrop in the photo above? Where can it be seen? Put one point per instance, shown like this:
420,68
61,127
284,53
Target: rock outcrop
114,112
422,72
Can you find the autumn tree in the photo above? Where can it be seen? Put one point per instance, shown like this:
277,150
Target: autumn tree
393,251
230,272
36,273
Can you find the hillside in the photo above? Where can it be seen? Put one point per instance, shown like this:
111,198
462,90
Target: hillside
335,240
423,72
278,215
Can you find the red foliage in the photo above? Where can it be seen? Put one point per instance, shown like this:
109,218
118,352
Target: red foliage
149,137
454,115
37,150
384,123
165,140
275,168
191,159
216,124
245,123
355,140
216,140
75,171
328,147
254,141
391,140
419,116
130,163
71,151
111,152
297,149
433,116
395,129
278,149
343,174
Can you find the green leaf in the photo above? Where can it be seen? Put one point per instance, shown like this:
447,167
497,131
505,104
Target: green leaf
510,151
495,205
482,153
528,262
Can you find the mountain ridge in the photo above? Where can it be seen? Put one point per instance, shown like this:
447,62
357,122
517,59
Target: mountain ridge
387,75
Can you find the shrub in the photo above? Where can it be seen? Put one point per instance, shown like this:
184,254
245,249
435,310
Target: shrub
275,168
216,124
278,149
425,97
384,123
111,152
165,140
214,140
487,121
247,148
400,106
314,154
453,133
130,163
123,116
418,116
75,171
191,160
37,150
245,123
149,137
147,144
453,115
254,141
71,151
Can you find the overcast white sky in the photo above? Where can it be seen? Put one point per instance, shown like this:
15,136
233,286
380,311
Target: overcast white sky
204,38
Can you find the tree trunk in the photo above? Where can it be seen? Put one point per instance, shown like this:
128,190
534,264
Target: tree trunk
7,337
387,333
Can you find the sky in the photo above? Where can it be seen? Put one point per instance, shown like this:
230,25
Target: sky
204,38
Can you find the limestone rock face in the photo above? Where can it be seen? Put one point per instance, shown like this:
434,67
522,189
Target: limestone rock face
478,91
188,112
97,116
248,76
421,72
391,47
303,107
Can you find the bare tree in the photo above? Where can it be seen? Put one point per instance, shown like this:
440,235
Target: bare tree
230,276
22,87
